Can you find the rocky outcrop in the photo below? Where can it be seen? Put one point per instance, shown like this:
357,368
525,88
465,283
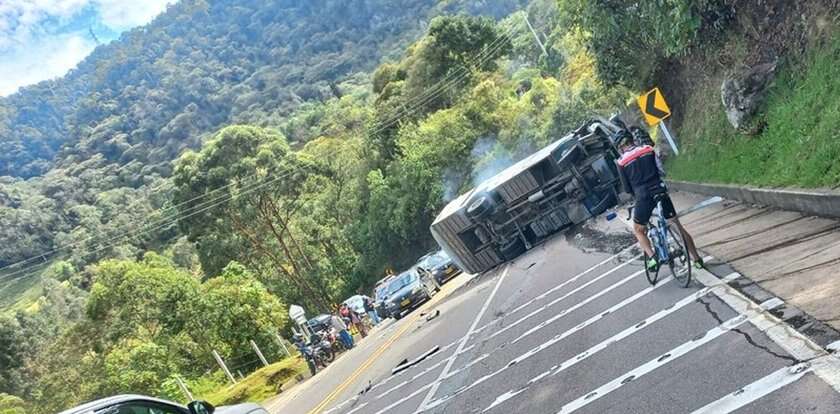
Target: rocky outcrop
743,92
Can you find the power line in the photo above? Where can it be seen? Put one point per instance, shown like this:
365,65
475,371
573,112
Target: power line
160,226
440,87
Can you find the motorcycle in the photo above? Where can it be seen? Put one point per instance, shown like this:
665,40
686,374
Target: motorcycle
318,352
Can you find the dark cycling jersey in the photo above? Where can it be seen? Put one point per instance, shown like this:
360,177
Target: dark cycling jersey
641,174
640,171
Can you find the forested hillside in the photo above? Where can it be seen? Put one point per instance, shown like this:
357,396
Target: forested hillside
104,135
180,188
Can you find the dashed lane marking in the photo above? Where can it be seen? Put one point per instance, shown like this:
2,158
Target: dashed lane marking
575,278
567,295
662,360
607,342
488,324
464,340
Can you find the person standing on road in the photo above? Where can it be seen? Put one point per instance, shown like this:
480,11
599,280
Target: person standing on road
343,335
371,310
641,173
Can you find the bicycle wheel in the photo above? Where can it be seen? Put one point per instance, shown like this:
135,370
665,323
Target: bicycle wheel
680,260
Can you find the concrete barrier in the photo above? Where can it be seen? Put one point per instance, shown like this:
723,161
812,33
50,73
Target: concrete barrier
818,203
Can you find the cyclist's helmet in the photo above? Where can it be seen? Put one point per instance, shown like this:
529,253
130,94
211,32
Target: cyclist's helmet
623,137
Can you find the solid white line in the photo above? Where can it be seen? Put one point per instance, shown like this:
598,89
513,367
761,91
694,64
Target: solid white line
561,298
578,276
756,390
769,384
564,335
571,309
607,342
436,384
660,361
796,344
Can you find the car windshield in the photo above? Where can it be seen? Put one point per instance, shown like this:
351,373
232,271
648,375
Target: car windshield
434,260
400,282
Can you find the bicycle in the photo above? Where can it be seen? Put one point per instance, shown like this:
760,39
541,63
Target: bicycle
669,247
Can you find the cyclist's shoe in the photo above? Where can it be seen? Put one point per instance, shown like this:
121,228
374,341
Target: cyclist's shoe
699,264
652,264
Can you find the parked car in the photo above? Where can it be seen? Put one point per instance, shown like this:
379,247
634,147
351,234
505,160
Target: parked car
440,265
140,404
379,294
407,291
562,184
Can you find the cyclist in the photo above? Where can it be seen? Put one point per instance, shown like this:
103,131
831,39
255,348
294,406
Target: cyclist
641,173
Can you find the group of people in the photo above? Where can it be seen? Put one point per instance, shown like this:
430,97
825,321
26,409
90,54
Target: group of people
346,318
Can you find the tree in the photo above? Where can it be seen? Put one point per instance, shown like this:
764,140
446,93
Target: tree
260,185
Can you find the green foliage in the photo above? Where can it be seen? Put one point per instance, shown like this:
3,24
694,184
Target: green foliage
630,38
9,404
798,146
260,385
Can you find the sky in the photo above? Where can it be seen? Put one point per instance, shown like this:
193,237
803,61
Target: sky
43,39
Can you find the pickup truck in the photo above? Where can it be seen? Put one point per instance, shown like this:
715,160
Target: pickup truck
562,184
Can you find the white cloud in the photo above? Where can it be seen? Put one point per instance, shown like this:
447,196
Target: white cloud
47,59
121,14
32,49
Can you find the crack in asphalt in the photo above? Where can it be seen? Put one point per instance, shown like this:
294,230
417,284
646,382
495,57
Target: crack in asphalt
747,336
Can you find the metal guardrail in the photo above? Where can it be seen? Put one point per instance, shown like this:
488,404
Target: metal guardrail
812,202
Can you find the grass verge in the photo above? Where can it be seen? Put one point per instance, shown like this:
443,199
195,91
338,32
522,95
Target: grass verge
260,385
799,147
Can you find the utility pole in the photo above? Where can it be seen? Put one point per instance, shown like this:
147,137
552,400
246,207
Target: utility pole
536,36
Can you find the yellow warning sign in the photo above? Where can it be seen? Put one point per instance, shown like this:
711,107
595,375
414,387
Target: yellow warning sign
653,106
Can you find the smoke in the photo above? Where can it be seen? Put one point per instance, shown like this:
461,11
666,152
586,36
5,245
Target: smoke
492,158
452,181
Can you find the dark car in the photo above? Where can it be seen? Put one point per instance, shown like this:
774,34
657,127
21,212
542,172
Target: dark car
319,323
139,404
407,291
379,294
440,265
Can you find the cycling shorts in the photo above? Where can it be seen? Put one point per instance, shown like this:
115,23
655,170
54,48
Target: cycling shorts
646,203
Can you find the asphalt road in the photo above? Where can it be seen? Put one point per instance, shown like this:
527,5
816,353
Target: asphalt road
573,326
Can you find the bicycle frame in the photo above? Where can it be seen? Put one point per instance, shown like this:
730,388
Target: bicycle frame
658,235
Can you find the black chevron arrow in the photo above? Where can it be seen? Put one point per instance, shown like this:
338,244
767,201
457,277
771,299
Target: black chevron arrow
651,109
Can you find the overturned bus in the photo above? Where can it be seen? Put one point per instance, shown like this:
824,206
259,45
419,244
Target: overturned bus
560,185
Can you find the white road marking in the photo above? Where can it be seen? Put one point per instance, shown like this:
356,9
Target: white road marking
662,360
520,307
768,384
560,337
789,339
607,342
436,384
567,295
568,310
576,277
453,343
